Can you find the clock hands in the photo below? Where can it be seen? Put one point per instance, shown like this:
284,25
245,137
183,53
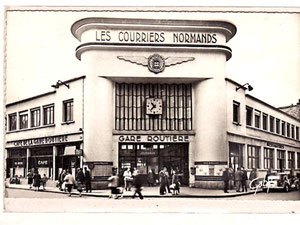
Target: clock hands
153,106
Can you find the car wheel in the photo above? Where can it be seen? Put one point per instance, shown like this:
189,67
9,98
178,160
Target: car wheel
286,188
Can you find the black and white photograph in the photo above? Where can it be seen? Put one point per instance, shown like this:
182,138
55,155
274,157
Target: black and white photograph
151,109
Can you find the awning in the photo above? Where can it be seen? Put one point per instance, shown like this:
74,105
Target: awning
70,150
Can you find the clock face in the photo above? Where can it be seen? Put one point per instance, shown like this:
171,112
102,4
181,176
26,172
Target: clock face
154,106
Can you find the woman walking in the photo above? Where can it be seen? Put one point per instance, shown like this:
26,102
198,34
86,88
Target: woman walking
30,178
70,182
36,180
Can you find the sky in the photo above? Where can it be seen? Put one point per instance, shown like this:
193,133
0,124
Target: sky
266,51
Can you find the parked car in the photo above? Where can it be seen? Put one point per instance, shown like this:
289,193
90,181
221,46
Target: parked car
280,181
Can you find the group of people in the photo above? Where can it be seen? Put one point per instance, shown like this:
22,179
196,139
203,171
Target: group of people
168,183
82,180
239,176
35,180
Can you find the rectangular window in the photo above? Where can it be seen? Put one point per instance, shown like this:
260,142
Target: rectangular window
272,119
291,160
268,158
288,130
249,115
297,133
283,128
298,160
253,157
265,121
48,114
35,117
280,159
12,120
293,131
257,119
68,110
277,126
236,112
23,122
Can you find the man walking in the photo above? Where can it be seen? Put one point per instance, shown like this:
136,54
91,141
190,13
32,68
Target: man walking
244,180
226,179
88,180
238,178
138,185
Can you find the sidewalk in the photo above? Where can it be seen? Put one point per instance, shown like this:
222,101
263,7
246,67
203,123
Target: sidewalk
150,192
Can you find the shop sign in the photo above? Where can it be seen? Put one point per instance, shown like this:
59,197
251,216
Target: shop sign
79,152
211,163
41,141
147,153
18,163
154,37
271,144
43,162
154,138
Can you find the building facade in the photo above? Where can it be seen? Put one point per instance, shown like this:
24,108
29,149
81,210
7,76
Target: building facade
154,95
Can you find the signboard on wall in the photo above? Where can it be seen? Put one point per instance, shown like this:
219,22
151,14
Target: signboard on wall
154,138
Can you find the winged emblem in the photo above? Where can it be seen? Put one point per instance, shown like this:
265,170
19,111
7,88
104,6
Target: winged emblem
155,63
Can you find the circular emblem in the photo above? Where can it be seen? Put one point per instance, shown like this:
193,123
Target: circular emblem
156,63
91,166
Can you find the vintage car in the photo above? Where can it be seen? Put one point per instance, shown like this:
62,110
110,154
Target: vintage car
280,181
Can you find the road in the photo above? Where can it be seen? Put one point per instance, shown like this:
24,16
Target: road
29,201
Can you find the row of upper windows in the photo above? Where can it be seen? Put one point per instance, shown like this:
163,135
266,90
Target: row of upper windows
266,122
35,116
269,158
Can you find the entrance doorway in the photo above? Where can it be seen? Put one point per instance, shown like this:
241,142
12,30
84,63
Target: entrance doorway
154,156
235,155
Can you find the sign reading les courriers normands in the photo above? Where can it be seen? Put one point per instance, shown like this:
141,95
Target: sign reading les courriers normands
155,37
41,141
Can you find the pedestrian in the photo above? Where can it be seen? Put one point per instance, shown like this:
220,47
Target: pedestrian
238,179
70,182
30,178
231,178
127,179
36,180
226,178
44,180
175,183
113,183
244,179
80,181
252,177
150,178
138,185
167,177
61,178
88,180
162,180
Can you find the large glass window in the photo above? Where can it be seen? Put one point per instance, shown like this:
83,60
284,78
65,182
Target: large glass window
272,119
12,120
265,121
293,131
48,114
35,117
68,110
268,158
288,129
257,119
281,159
253,156
249,116
130,111
298,160
236,112
297,133
23,120
291,160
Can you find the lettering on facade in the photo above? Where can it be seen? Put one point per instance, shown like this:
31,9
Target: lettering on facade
155,37
43,162
154,138
271,144
41,141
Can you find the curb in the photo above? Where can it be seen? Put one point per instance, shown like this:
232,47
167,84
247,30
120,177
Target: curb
146,196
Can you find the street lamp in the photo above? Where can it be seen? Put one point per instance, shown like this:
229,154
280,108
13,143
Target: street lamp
60,82
250,88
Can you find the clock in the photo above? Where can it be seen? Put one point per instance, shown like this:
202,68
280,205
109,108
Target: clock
154,106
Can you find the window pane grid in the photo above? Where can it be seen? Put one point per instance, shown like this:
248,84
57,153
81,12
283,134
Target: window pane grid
130,107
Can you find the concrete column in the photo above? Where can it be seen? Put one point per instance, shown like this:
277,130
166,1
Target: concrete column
245,162
286,160
275,159
261,163
27,161
81,157
53,168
